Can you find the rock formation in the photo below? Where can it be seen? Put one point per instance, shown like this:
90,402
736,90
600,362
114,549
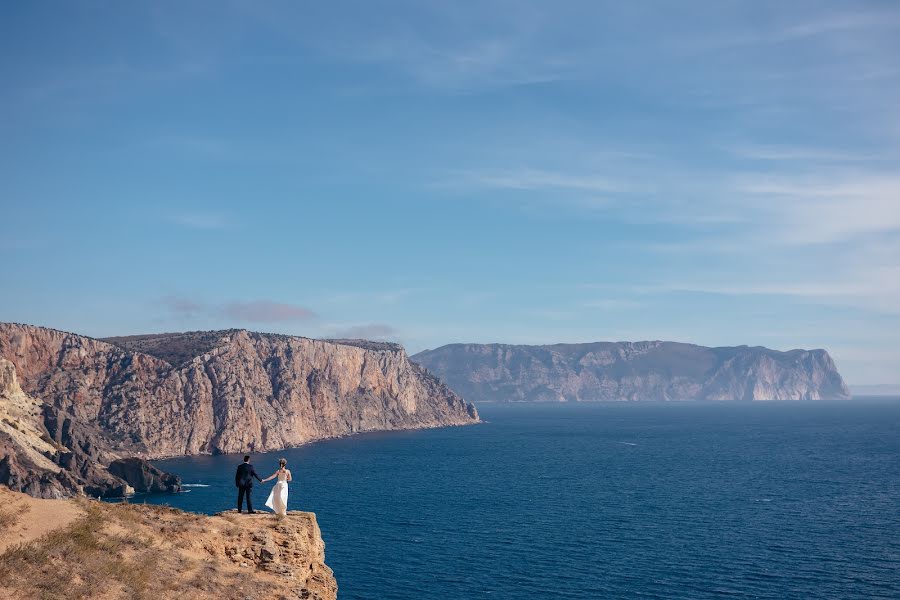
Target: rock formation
633,371
144,477
233,391
48,454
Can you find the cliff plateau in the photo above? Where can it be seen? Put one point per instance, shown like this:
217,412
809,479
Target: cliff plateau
633,371
78,548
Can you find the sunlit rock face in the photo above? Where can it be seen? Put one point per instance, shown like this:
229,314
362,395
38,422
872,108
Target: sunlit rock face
46,454
234,391
633,371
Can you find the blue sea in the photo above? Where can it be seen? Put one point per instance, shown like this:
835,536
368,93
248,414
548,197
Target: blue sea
635,500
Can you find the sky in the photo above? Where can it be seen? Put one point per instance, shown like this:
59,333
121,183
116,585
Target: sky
720,172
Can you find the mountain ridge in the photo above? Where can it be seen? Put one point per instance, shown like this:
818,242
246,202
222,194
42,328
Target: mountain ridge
645,370
234,391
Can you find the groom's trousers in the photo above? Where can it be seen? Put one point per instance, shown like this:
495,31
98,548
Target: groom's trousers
242,491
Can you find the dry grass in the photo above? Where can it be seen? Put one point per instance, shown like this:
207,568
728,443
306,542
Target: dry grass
81,561
144,552
11,516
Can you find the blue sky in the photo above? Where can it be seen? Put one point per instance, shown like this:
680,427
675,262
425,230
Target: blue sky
431,172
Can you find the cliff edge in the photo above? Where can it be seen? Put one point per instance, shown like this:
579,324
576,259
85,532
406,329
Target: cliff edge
80,548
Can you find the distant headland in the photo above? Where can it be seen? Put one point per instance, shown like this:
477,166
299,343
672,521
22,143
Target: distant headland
652,370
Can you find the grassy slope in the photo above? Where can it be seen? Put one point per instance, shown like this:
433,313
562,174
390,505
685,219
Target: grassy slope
108,551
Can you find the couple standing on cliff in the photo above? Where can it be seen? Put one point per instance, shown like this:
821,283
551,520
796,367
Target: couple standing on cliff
277,501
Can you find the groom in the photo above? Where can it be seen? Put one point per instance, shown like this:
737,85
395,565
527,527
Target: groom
243,479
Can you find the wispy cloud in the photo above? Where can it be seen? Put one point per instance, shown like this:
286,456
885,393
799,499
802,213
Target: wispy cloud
182,307
868,288
798,29
550,314
104,81
793,153
194,145
539,179
458,50
254,311
639,193
481,63
366,331
787,206
209,221
839,22
266,311
824,208
612,304
384,296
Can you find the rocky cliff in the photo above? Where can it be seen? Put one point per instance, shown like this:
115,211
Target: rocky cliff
80,549
633,371
48,454
218,392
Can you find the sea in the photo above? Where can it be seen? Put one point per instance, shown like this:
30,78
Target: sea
777,500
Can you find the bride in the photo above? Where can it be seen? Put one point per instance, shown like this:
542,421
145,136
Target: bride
278,496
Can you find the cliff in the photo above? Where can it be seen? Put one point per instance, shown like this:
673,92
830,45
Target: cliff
80,549
48,454
217,392
633,371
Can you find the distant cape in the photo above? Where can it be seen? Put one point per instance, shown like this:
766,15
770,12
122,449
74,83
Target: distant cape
630,371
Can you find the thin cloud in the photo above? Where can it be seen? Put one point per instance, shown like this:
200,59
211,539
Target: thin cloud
636,196
838,23
823,209
256,311
203,221
370,331
780,33
182,307
266,311
536,179
492,60
106,81
776,153
870,289
612,304
387,297
194,145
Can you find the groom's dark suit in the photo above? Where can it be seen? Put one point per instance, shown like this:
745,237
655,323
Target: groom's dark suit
243,479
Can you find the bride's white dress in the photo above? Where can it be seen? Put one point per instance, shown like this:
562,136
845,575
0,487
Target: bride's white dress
278,496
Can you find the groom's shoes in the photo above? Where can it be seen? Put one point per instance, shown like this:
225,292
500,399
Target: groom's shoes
251,512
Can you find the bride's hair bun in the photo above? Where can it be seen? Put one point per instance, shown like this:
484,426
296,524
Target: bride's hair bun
282,461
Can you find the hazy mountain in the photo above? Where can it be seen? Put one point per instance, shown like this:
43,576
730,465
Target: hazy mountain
633,371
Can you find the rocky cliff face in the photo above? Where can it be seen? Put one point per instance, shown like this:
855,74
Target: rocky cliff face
234,391
48,454
633,371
